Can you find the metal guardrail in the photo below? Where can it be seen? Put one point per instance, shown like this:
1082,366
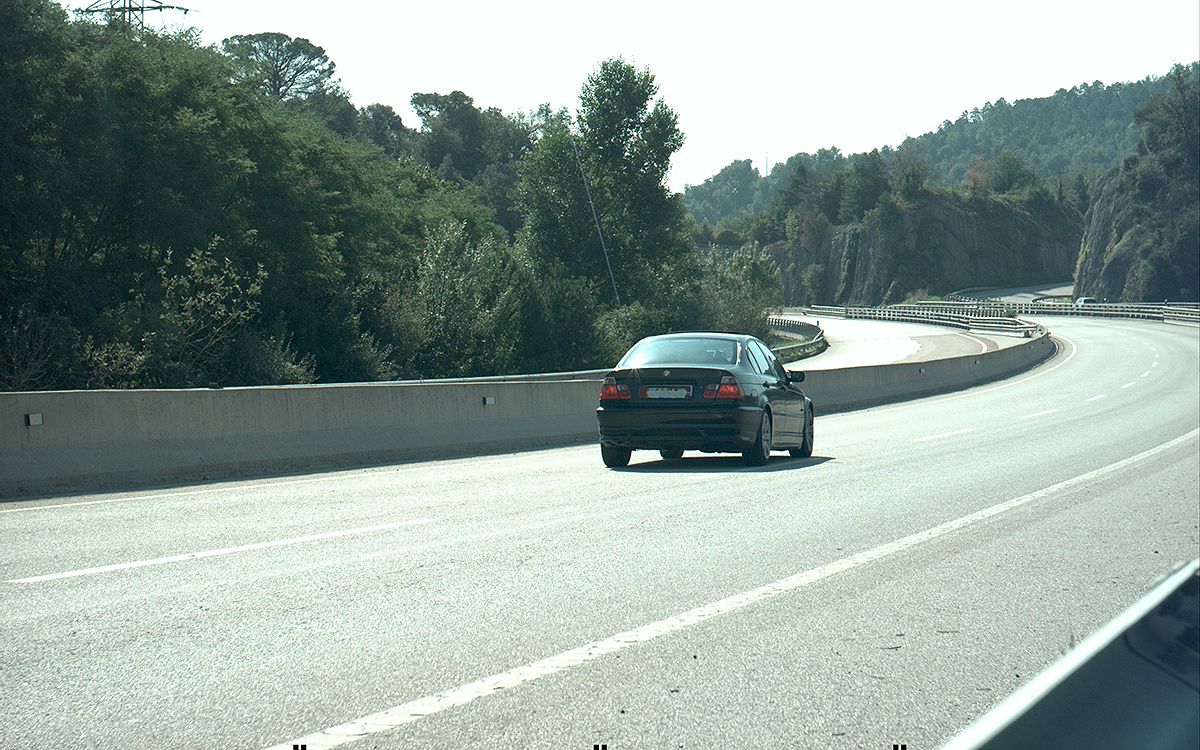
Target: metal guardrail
1167,311
793,352
956,318
1181,315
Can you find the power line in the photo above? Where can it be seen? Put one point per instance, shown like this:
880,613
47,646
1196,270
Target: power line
132,12
596,217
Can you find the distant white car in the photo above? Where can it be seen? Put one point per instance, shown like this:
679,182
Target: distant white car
1086,301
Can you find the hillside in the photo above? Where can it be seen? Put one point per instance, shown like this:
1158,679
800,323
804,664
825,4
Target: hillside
1076,133
934,242
1142,232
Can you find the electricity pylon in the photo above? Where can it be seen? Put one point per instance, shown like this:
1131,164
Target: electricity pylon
132,12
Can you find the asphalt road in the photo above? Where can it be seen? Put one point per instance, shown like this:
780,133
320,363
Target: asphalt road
1026,293
930,557
854,343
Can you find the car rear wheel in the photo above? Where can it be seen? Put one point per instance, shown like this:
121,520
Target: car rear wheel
806,444
671,455
614,456
760,452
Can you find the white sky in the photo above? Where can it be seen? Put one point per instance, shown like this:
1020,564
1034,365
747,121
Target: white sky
748,78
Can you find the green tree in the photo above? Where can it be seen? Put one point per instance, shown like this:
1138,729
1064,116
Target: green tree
909,171
379,124
1008,173
282,67
865,183
452,132
1171,122
626,140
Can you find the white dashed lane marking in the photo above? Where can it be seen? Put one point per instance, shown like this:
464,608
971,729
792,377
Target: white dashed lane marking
1039,414
218,552
1130,384
1095,398
939,436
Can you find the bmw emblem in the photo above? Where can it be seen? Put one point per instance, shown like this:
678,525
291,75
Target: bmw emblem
666,373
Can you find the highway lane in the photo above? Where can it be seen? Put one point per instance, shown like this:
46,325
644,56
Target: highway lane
507,560
854,343
1026,293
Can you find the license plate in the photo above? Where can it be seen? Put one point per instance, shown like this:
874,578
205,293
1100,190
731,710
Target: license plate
667,391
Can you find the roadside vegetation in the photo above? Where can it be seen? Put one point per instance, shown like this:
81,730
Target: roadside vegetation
177,215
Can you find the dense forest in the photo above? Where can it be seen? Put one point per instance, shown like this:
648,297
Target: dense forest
177,215
1142,232
1070,138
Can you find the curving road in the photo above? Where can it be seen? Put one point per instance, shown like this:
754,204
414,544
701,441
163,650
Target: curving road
1026,293
931,557
855,343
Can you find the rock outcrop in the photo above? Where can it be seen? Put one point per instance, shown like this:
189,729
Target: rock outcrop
935,243
1141,238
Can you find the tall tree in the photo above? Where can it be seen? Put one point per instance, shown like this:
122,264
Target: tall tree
452,133
282,67
626,140
1008,173
909,171
379,124
867,181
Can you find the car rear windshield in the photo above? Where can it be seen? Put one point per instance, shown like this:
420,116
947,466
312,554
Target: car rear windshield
682,351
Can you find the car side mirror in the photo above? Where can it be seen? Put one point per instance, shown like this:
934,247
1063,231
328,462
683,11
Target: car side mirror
795,377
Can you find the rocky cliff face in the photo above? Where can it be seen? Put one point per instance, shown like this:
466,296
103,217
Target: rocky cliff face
1141,237
936,243
1141,241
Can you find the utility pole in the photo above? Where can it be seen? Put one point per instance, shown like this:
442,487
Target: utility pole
132,12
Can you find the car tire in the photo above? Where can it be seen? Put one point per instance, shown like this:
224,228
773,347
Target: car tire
806,444
614,456
759,453
671,455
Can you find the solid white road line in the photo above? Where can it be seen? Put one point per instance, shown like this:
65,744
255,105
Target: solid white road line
982,344
1130,384
217,552
939,436
1039,414
412,711
1095,398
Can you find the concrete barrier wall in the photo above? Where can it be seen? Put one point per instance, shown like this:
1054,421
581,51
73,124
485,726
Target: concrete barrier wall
91,439
854,387
97,439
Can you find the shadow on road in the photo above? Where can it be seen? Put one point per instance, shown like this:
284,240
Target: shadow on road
702,464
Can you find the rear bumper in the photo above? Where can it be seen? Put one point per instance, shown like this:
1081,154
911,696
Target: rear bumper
727,430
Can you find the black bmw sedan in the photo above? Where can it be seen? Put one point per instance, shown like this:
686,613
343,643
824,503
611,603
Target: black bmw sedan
705,391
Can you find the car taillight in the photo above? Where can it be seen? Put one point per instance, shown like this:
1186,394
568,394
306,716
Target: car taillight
727,388
614,391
